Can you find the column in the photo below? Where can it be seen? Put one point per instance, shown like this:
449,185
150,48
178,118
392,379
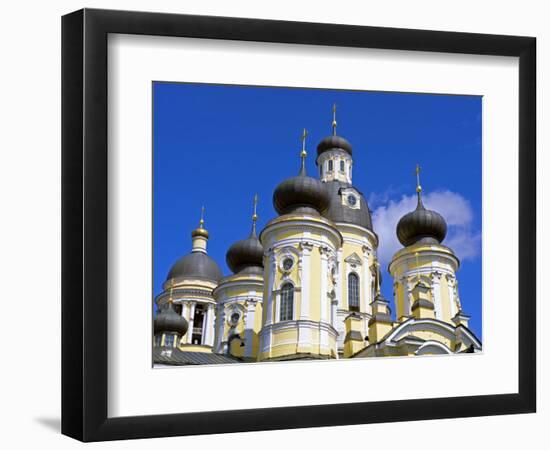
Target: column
249,326
208,336
341,278
324,284
451,290
270,283
191,320
219,324
406,296
306,270
365,297
204,327
436,289
334,312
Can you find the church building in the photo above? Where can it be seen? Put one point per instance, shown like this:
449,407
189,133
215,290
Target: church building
307,286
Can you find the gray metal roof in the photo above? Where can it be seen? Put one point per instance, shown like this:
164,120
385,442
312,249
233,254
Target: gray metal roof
196,265
421,225
246,254
170,321
301,193
337,212
334,143
175,357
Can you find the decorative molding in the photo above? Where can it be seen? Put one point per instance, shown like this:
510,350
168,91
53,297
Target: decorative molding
354,260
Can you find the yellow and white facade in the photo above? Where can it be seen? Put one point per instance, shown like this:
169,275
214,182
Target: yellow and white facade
308,287
300,311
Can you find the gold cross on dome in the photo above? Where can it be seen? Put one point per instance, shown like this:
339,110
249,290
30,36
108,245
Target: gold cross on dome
304,135
254,215
334,119
201,222
418,186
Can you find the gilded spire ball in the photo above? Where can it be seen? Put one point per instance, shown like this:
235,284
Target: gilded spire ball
201,221
200,231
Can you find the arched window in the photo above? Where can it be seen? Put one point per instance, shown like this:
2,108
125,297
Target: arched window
287,302
353,292
342,166
330,165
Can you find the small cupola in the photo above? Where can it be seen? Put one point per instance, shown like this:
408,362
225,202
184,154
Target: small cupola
247,254
421,225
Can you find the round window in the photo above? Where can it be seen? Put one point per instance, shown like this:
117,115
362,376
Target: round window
288,263
352,200
234,319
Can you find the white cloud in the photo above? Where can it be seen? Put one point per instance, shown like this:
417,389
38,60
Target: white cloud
461,237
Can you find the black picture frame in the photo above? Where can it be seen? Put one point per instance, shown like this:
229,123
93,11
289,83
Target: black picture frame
84,224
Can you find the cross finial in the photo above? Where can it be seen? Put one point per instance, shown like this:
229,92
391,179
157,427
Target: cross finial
418,186
304,135
334,123
201,222
254,214
303,154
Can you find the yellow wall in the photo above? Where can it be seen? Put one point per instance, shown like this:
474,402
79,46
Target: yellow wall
434,263
241,293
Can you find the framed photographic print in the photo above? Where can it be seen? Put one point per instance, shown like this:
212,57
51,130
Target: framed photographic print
273,224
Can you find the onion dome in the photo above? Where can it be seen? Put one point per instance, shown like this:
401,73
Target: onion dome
334,142
301,194
247,254
200,232
169,321
421,225
197,264
338,211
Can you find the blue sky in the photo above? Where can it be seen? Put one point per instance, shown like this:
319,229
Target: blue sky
219,145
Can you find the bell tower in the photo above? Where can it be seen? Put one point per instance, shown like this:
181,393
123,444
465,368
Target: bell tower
334,156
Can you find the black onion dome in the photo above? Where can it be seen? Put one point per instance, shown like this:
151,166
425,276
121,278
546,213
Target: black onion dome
196,265
169,321
301,194
421,225
246,254
337,212
334,142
